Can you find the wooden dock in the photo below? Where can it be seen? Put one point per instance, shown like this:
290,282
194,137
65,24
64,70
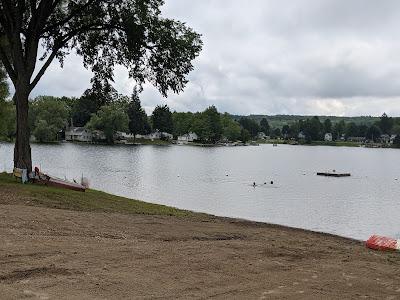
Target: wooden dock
333,174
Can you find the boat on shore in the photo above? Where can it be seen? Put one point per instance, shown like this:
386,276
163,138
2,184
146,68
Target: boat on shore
44,179
60,183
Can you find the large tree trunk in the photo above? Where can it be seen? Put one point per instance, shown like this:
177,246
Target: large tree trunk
22,149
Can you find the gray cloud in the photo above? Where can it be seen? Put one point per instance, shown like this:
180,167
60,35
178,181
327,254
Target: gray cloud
273,57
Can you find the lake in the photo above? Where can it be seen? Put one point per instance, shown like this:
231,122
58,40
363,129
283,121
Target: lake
218,180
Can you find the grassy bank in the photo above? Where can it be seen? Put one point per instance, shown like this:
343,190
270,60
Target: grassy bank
91,200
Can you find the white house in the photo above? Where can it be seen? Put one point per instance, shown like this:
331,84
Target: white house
328,137
392,137
123,135
261,135
78,134
167,136
188,137
385,138
301,135
157,135
99,135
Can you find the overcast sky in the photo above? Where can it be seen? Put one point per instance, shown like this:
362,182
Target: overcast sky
323,57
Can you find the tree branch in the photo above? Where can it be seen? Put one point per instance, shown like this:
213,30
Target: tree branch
43,69
7,65
68,18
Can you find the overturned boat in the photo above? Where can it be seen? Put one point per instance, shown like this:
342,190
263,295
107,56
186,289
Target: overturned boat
44,179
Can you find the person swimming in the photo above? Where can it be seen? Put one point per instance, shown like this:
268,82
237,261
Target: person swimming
254,184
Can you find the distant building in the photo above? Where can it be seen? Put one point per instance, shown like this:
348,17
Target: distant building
385,138
261,136
392,137
328,137
99,136
166,136
78,134
157,135
119,135
188,137
301,135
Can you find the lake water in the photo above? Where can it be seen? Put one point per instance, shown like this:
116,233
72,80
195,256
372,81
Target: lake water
194,178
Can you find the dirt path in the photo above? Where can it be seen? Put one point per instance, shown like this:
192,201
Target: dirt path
60,254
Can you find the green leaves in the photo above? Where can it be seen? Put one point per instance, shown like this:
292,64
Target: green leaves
109,119
162,119
48,116
138,121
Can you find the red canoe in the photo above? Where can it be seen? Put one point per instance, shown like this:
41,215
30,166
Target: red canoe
382,243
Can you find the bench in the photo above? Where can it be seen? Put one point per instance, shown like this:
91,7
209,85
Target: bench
21,174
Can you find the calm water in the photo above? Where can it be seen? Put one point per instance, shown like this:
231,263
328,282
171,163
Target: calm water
195,178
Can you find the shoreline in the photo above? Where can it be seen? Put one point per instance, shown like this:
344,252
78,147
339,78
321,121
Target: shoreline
193,144
112,247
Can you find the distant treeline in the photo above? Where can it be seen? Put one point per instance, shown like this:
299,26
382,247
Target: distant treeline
102,108
278,121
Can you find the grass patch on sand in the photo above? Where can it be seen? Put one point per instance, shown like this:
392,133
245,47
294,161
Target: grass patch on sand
91,200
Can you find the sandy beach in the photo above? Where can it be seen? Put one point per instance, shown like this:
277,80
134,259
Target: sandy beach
48,253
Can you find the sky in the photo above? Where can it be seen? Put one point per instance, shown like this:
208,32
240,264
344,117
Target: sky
304,57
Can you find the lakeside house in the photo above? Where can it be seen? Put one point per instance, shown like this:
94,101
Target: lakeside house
157,135
385,138
328,137
119,135
99,136
78,134
262,136
301,135
188,137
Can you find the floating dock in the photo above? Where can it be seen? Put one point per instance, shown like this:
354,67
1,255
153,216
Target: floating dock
333,174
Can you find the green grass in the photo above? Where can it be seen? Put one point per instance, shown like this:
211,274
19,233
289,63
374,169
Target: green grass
91,200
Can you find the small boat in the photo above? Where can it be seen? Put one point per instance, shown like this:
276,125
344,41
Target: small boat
55,182
383,243
45,179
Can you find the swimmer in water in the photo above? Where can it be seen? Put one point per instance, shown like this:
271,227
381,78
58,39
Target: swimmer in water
272,182
254,184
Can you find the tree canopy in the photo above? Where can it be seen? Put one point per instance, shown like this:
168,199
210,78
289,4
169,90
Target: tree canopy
109,119
106,33
138,121
47,118
162,119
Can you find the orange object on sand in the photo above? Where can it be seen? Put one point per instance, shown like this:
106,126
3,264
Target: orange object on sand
382,243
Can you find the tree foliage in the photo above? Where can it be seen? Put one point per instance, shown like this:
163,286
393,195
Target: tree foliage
110,119
250,125
162,119
264,126
48,116
130,33
138,121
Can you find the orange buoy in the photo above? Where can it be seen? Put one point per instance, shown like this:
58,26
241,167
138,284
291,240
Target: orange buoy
382,243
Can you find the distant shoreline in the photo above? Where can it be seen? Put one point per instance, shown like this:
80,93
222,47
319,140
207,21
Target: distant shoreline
253,143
